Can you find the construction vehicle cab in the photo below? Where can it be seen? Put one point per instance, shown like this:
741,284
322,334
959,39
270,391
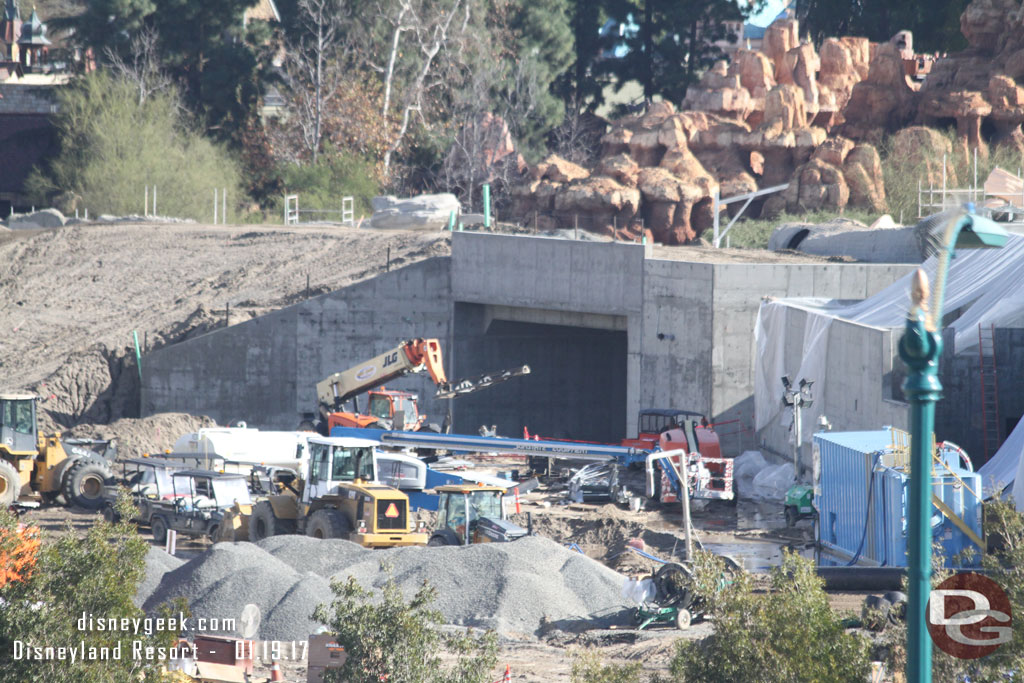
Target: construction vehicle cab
338,496
385,409
654,422
36,467
472,513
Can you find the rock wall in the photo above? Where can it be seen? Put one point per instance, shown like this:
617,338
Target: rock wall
789,114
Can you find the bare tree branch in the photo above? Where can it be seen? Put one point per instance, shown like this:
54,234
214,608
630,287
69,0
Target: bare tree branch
431,37
142,67
313,70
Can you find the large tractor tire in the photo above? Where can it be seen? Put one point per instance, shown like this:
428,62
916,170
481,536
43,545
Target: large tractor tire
84,482
328,523
264,523
443,537
10,483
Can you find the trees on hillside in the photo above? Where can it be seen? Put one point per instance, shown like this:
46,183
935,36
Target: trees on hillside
668,43
935,23
219,63
112,146
543,51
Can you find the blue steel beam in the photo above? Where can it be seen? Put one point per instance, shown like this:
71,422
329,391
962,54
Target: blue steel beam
569,450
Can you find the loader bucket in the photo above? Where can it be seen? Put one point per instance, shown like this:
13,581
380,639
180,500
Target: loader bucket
235,525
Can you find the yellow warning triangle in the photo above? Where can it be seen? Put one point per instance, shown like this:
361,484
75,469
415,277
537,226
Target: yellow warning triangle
392,511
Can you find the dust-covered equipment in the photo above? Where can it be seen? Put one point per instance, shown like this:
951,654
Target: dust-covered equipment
37,468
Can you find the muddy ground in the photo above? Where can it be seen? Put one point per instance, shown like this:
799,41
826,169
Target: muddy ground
72,298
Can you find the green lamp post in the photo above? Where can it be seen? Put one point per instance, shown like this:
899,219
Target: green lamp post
920,349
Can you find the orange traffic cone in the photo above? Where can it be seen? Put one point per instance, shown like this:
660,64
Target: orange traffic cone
507,678
275,672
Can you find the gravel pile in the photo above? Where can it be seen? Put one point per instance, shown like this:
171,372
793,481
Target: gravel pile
158,563
510,587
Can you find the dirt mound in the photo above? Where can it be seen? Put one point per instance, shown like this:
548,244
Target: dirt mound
135,437
605,535
71,297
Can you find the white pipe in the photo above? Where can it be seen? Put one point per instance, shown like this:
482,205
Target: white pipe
943,181
215,206
974,196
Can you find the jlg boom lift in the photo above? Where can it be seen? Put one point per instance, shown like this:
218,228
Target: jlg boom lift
390,409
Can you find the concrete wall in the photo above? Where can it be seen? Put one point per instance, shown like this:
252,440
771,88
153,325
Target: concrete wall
264,371
609,327
854,394
676,344
958,416
738,290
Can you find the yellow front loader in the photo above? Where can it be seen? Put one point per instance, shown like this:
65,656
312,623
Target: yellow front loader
37,468
337,496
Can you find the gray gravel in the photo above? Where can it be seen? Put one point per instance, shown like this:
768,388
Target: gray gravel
158,563
510,587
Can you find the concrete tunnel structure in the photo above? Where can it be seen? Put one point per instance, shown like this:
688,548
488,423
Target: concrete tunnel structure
607,328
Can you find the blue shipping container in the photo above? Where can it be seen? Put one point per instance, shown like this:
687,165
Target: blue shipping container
861,498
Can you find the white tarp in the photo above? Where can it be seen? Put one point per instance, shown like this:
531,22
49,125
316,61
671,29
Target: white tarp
988,284
1004,468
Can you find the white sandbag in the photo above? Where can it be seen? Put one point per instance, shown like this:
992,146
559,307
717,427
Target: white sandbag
639,591
744,469
772,482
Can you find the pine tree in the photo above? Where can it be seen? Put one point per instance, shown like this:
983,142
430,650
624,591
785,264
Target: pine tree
670,42
544,49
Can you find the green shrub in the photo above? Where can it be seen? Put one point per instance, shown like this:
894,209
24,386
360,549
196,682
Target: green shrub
588,668
96,574
336,175
112,147
788,633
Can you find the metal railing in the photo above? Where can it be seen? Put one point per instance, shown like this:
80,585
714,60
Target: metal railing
293,214
718,203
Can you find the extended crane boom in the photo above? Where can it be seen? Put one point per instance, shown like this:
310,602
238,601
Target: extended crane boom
414,355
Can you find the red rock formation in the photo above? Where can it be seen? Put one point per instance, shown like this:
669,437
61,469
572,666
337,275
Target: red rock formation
791,114
862,170
558,170
885,101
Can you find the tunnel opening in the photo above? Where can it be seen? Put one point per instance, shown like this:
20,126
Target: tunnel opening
576,388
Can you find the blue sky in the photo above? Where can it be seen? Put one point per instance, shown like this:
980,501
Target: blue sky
765,16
